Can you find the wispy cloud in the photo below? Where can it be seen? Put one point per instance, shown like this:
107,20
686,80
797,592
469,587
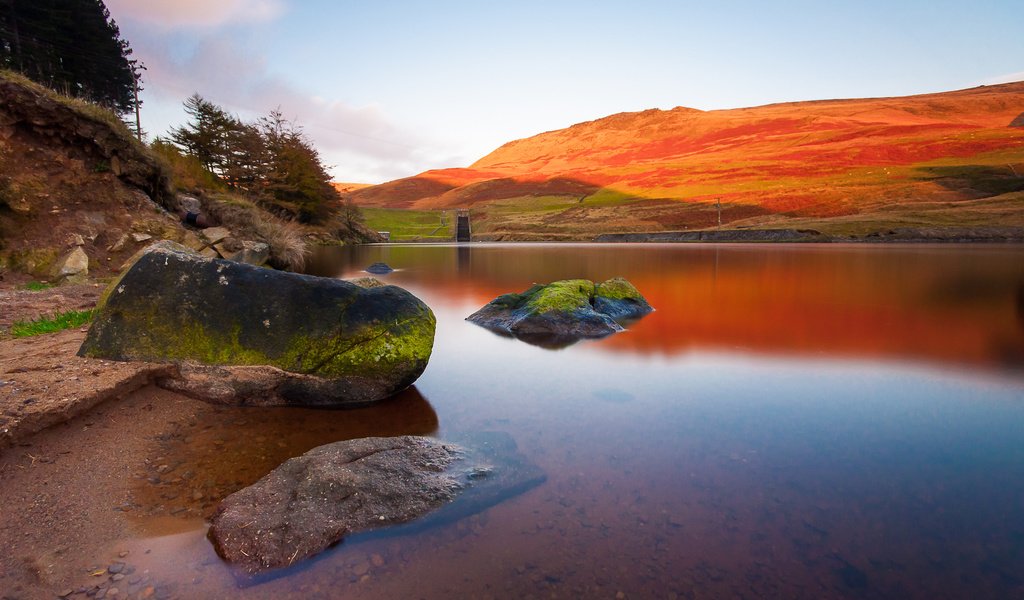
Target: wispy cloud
362,142
178,14
1007,78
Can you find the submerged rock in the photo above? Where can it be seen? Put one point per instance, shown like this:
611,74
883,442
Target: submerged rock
379,268
562,312
246,335
313,501
367,282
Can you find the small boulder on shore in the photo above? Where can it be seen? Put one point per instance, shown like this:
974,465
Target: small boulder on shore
245,335
562,312
312,502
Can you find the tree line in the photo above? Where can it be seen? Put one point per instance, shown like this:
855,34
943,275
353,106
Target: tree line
71,46
269,159
75,47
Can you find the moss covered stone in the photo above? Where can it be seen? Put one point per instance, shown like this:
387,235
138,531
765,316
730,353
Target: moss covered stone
620,300
562,312
170,305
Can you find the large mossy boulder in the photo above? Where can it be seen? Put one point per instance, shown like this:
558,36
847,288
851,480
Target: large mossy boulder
563,312
313,501
242,334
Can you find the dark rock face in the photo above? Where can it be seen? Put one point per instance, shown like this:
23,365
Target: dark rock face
379,268
1018,122
313,501
247,335
563,312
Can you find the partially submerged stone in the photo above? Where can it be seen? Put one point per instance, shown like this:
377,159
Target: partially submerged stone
367,282
379,268
620,300
314,501
563,312
248,335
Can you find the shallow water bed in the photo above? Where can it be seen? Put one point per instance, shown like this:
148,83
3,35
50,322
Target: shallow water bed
792,421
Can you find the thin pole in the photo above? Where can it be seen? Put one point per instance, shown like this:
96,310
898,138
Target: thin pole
138,119
718,203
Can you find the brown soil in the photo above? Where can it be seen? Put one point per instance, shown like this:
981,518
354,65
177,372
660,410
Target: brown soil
107,481
25,305
42,381
66,494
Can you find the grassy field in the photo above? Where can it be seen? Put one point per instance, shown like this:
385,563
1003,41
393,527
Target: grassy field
412,225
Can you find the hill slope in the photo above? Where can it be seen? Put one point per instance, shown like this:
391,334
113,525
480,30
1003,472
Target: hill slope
841,165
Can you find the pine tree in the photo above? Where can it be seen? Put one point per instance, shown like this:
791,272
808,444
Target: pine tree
296,178
271,160
208,134
72,46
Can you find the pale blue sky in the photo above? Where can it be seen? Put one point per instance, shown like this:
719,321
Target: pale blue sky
389,89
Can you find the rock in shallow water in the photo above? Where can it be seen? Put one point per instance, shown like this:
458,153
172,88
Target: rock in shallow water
247,335
379,268
560,313
313,501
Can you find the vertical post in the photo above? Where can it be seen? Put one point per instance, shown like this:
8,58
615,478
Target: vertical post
718,203
138,119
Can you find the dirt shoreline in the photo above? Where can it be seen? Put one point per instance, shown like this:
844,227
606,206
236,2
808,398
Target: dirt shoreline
107,481
42,381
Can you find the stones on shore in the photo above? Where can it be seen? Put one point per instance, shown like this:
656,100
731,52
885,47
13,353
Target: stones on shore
72,267
560,313
247,335
313,501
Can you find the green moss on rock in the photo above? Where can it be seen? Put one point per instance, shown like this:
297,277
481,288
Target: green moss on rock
170,305
617,289
559,313
564,296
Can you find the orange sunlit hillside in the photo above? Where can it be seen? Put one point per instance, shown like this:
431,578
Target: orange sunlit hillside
658,169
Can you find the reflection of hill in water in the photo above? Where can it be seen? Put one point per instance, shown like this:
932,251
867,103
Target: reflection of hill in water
951,304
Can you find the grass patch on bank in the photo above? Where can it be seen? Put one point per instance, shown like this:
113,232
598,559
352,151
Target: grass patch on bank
411,224
82,107
58,322
37,286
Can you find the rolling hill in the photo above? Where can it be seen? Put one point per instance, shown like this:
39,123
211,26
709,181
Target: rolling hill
841,166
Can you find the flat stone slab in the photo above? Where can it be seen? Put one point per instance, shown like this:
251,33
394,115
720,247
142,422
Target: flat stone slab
314,501
43,383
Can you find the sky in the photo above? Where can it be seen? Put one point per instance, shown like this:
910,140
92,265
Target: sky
389,89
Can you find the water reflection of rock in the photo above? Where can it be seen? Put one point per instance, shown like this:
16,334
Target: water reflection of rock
219,450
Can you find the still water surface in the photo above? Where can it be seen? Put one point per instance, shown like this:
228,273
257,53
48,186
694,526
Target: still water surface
792,422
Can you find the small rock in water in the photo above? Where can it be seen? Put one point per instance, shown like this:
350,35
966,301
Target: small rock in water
313,501
379,268
115,568
561,313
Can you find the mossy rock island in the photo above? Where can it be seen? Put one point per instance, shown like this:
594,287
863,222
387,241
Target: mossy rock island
247,335
563,312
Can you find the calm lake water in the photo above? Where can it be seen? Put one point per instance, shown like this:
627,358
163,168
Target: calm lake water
792,422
